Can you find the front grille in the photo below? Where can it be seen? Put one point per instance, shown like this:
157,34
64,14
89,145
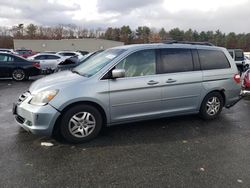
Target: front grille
23,97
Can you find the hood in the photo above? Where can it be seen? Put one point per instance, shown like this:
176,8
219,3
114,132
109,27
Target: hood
56,81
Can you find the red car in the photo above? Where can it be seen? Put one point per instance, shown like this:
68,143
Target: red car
246,80
25,53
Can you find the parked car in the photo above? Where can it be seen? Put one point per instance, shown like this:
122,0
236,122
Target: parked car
48,62
82,52
69,54
18,68
246,80
7,50
25,52
238,56
130,83
50,52
247,62
74,61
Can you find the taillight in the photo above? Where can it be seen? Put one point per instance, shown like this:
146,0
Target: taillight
37,65
237,78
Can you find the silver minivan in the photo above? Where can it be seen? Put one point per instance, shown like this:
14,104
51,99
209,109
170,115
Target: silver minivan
130,83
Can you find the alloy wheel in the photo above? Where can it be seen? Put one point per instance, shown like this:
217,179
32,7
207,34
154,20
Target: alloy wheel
82,124
18,74
213,106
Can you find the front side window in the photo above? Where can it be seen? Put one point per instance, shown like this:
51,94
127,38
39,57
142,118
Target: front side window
213,59
139,64
176,60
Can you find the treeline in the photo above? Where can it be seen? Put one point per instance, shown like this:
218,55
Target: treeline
142,34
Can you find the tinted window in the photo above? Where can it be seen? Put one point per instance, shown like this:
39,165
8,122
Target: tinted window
139,64
23,52
3,57
6,58
52,57
213,59
39,57
18,59
239,56
176,60
67,54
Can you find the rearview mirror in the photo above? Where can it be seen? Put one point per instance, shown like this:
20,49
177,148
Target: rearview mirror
118,73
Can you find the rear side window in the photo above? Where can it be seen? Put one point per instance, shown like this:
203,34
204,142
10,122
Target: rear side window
67,54
213,59
40,57
239,55
3,57
176,60
52,57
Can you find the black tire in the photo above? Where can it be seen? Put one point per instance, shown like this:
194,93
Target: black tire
27,78
214,110
67,125
19,75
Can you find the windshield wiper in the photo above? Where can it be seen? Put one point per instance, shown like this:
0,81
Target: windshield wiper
74,71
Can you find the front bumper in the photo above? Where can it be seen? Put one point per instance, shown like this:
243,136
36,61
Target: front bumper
36,119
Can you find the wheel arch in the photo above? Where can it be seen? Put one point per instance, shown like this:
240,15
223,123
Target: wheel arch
218,90
91,103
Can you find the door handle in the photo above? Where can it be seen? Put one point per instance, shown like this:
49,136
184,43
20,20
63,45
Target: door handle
152,82
170,80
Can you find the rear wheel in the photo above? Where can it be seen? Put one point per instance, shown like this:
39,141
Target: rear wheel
19,75
211,106
81,123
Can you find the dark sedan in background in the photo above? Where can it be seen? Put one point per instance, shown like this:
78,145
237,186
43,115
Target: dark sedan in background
17,67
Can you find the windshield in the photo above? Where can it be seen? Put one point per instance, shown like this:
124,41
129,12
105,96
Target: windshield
97,62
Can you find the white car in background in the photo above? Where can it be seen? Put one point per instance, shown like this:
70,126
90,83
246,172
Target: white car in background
47,61
70,54
6,50
247,61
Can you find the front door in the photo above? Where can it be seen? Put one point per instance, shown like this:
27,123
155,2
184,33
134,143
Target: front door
137,95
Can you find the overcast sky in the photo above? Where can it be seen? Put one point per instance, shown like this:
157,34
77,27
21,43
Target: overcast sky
226,15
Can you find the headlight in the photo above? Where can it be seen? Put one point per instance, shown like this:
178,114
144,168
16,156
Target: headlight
43,97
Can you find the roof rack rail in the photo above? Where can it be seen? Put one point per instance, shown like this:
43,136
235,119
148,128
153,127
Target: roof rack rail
187,42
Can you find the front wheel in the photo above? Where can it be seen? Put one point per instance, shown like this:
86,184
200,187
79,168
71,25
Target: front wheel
81,123
211,106
19,75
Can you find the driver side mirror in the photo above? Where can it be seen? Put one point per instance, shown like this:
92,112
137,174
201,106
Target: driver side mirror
118,73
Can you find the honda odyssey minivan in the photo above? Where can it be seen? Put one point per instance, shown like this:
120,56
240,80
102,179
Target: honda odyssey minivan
130,83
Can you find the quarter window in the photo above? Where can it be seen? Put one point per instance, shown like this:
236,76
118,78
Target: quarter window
213,59
140,63
176,60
